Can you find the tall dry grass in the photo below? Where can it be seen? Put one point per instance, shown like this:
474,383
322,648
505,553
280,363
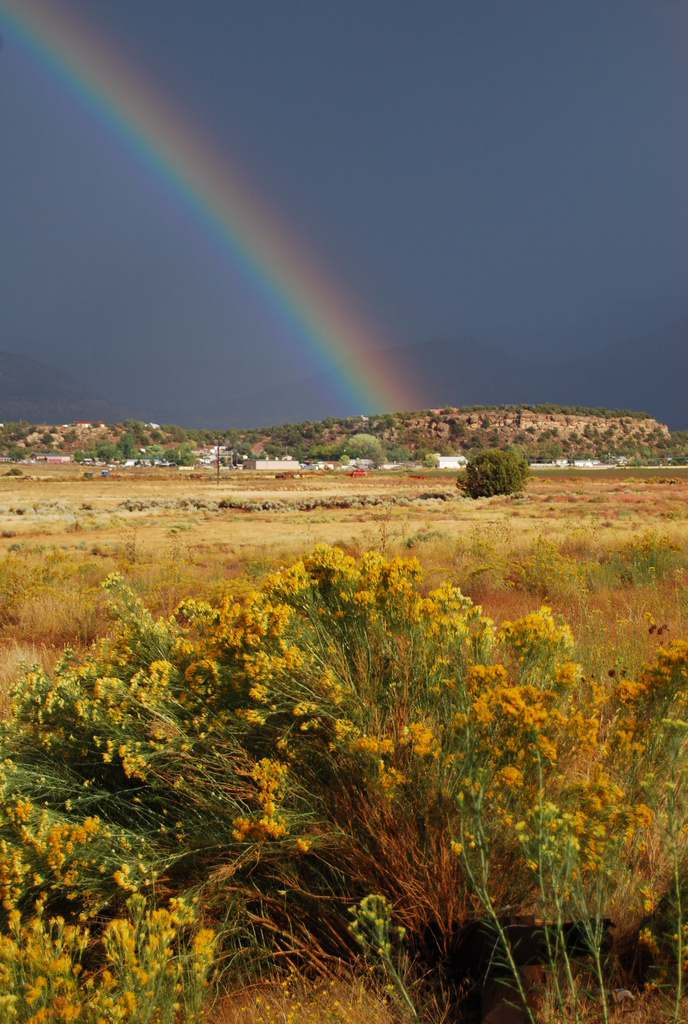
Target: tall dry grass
15,657
597,577
294,1001
618,579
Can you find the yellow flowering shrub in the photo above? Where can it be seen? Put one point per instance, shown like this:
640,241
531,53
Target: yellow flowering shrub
338,732
150,970
548,572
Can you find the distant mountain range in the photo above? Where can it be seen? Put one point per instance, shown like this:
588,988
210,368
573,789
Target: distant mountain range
34,391
647,372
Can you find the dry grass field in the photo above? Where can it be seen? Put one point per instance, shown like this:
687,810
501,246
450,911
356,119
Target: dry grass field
61,534
605,550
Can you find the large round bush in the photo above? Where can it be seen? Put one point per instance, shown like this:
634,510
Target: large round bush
494,472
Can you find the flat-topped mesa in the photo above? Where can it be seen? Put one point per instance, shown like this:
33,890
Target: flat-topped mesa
541,432
522,418
566,424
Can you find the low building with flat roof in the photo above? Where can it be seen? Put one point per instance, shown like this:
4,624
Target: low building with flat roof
275,465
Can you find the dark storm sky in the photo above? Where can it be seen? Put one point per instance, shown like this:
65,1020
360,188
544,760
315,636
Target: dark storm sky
460,166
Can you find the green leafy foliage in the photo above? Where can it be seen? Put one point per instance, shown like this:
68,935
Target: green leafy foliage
494,472
366,446
398,437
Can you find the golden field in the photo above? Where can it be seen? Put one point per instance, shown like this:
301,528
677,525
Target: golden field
69,533
606,551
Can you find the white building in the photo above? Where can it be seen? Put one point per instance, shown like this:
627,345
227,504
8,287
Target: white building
288,463
451,461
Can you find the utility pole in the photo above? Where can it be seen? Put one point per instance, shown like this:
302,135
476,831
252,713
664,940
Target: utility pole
217,442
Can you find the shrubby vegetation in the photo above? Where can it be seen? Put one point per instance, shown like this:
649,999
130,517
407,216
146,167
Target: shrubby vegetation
494,472
262,766
125,448
147,968
390,436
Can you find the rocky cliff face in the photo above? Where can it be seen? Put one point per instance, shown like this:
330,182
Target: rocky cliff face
565,425
538,432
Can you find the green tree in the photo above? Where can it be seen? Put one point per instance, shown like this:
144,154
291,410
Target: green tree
155,451
366,446
493,472
398,453
106,451
174,432
183,455
127,445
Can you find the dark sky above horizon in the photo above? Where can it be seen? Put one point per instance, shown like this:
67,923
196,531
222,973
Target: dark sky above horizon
461,167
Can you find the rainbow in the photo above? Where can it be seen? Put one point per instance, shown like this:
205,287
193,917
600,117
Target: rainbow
252,242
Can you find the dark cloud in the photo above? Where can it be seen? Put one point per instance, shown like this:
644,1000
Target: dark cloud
507,170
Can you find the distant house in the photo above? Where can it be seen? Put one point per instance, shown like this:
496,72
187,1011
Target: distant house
52,458
86,424
451,461
279,465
